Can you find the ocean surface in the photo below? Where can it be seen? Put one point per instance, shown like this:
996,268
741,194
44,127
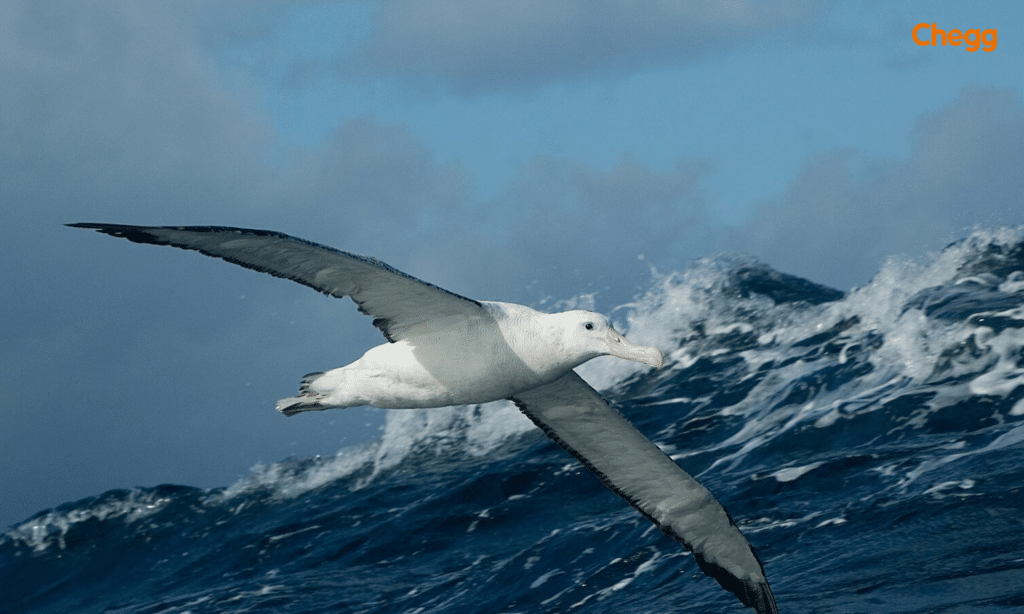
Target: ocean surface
869,444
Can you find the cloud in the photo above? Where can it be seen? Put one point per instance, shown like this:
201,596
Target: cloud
378,186
478,47
846,212
110,111
110,94
561,227
573,228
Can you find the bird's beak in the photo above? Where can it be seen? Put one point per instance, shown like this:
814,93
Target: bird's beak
623,348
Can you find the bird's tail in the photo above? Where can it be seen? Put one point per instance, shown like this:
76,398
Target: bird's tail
308,399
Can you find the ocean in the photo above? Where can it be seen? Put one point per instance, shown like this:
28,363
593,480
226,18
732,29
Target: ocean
869,444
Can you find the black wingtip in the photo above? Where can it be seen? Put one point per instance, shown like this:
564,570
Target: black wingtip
755,593
135,234
761,599
91,225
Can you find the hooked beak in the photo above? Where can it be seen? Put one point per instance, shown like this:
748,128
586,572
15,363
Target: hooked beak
623,348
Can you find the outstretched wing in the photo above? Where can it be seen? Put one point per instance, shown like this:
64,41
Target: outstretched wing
578,419
398,302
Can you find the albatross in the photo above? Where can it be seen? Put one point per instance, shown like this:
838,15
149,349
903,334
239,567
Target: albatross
445,349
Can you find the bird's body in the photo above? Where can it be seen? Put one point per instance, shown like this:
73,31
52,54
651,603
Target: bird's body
445,349
495,353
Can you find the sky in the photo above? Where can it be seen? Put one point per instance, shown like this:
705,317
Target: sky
523,151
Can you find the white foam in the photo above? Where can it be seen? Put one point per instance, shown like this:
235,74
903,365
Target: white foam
831,521
1004,376
792,473
50,529
545,577
475,429
939,489
603,593
1010,438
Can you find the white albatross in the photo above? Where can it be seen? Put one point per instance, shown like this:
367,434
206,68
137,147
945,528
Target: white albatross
444,349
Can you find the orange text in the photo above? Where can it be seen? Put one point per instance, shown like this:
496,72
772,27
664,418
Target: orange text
973,38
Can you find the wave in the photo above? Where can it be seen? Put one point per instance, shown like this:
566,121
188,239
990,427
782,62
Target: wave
807,410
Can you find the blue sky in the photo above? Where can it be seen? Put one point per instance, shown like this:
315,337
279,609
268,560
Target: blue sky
522,151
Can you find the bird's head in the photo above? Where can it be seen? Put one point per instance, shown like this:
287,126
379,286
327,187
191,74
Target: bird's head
591,334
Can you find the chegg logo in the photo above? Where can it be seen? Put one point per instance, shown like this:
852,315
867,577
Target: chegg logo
928,34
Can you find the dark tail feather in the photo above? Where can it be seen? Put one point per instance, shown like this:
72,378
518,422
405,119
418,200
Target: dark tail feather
308,399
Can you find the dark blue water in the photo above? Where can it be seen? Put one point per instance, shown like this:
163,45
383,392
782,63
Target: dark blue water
869,444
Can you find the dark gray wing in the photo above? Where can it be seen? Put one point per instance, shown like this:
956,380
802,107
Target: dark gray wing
578,419
398,302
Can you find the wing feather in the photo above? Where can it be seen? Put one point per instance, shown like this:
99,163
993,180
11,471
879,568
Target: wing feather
399,303
576,417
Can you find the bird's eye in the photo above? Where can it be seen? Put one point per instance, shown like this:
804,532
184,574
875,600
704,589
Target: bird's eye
589,326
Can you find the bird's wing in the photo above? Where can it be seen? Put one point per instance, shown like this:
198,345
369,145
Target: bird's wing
581,421
399,303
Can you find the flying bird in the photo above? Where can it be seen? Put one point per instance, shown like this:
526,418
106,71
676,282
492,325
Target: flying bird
445,349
